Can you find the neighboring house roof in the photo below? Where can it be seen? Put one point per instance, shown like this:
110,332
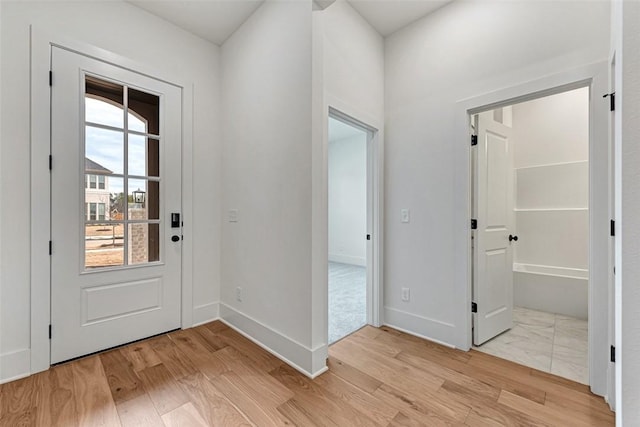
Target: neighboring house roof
90,165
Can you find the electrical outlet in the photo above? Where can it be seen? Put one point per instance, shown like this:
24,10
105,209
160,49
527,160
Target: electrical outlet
405,294
404,215
239,294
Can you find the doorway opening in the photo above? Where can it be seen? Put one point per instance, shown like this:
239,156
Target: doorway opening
530,173
349,225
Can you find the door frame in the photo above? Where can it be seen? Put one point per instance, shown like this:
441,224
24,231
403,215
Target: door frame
594,76
42,42
372,251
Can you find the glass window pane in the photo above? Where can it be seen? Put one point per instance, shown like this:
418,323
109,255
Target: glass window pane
146,107
104,102
104,150
144,243
107,197
104,245
136,123
144,156
115,205
144,199
101,182
101,209
92,180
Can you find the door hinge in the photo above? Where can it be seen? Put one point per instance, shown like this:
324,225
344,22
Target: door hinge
474,307
613,354
50,247
612,228
49,331
368,236
612,100
50,162
474,224
50,78
474,140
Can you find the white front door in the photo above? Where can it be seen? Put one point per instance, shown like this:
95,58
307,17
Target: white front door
493,253
115,183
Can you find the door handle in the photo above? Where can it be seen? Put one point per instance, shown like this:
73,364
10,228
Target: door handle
514,238
175,238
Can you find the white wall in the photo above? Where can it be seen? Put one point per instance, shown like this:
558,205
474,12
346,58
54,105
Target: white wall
626,44
266,89
551,137
348,74
463,50
348,200
144,39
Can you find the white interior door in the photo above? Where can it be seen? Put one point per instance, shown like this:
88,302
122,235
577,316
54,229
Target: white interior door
493,248
115,182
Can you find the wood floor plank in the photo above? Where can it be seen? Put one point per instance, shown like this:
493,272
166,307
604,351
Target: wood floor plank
171,357
523,375
216,326
537,411
141,355
191,345
263,360
213,376
386,369
377,409
94,401
18,402
138,412
259,383
56,403
301,416
211,404
352,375
165,392
254,403
485,410
402,420
314,397
123,381
427,405
212,338
185,416
473,386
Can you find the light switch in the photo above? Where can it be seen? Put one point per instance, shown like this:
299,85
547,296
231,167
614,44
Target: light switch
233,215
404,215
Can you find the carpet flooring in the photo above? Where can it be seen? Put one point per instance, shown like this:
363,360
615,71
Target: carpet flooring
347,299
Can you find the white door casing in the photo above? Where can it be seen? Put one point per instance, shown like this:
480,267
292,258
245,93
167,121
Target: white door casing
95,309
493,250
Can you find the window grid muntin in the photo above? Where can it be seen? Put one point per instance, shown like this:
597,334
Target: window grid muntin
124,176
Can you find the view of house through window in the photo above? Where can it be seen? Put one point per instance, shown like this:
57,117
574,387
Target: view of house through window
122,175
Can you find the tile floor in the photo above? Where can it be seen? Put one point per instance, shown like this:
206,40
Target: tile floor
545,341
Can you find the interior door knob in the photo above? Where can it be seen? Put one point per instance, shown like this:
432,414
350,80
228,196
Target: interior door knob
513,238
175,238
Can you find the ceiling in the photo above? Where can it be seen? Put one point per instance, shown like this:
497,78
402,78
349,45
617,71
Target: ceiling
388,16
213,20
216,20
339,130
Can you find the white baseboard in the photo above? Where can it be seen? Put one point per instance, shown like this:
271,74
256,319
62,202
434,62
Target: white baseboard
15,365
206,313
419,326
348,259
309,362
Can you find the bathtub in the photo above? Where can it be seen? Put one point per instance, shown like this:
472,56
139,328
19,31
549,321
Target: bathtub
553,289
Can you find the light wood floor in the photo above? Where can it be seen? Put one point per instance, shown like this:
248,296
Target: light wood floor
210,375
